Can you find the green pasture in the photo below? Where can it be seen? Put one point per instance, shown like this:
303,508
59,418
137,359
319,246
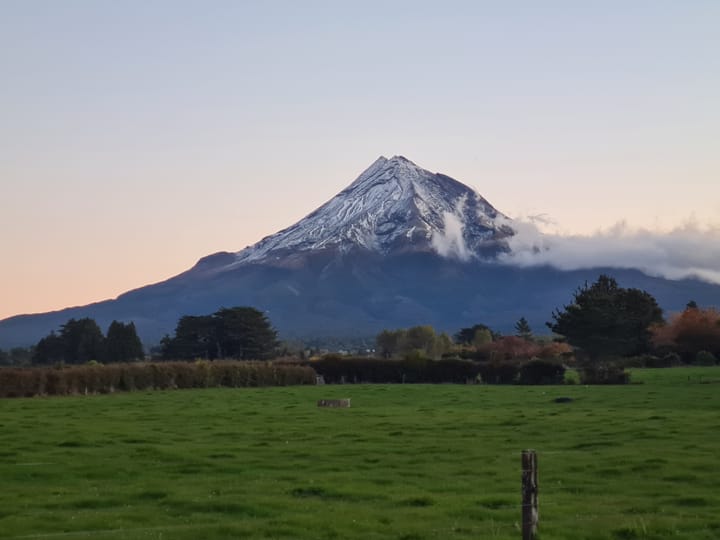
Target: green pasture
405,462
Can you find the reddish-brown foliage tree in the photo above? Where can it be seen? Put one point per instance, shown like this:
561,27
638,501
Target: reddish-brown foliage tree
508,348
554,349
690,332
513,347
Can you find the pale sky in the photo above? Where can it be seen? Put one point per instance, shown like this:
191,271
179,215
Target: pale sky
139,136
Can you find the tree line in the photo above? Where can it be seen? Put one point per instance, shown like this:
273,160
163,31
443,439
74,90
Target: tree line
605,326
242,333
603,321
81,340
606,321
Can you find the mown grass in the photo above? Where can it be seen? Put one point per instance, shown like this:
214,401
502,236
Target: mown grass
405,462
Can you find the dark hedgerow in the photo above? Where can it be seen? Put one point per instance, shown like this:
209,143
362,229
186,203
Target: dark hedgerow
414,369
499,372
670,359
604,374
542,372
349,369
101,379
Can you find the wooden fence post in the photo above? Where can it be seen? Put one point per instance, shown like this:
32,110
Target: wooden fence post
530,516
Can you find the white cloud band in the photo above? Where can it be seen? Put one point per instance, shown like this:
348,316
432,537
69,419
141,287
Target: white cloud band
687,251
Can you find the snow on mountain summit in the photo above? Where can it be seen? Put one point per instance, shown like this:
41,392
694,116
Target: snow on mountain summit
393,206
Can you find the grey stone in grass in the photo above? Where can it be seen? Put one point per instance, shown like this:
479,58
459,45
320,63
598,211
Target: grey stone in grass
334,403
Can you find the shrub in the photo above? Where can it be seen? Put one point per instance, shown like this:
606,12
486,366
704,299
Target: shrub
640,361
604,374
690,332
554,349
651,361
705,358
499,372
538,371
509,347
513,348
670,359
571,377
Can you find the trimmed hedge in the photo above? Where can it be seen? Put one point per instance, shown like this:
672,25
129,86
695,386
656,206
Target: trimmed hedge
542,372
342,369
499,372
103,379
604,374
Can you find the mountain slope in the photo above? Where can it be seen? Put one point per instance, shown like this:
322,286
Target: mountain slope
359,295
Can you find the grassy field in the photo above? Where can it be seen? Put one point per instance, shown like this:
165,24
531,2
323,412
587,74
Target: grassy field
405,462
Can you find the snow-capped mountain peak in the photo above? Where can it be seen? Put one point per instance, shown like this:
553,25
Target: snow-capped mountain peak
393,206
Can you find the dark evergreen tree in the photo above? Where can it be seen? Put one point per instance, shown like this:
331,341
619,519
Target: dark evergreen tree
195,337
83,341
79,341
122,343
49,350
606,320
522,329
240,332
244,333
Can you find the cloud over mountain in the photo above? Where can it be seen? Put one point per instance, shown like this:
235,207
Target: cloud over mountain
686,251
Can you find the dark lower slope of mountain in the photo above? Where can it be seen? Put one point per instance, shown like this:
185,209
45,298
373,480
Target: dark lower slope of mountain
358,294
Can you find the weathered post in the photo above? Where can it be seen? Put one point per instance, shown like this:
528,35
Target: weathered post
530,516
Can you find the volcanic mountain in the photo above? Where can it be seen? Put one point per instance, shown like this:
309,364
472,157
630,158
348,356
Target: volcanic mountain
394,207
400,246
